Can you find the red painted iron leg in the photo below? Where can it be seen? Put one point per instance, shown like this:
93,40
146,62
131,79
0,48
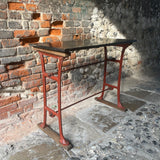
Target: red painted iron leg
44,91
119,79
104,77
62,139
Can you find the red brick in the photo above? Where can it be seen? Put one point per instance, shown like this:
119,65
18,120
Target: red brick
31,77
35,89
24,33
8,108
47,17
45,24
57,24
66,82
16,111
3,115
65,16
15,6
31,7
66,63
28,107
31,84
8,100
3,77
55,31
73,56
26,102
76,10
47,88
19,73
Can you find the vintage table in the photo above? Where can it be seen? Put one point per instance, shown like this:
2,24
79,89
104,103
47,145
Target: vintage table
61,50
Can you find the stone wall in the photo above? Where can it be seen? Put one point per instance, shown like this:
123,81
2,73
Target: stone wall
28,21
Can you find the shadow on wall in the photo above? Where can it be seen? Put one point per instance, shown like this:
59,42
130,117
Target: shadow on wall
133,19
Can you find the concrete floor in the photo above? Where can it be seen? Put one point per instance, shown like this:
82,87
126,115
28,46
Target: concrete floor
99,132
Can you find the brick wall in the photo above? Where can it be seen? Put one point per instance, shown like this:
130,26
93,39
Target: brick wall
23,22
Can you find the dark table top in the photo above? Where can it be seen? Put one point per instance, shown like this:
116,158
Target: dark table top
68,46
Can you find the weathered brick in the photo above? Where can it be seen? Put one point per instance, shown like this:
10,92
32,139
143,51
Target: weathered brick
35,89
2,68
69,31
15,25
3,6
52,39
16,111
81,60
15,6
47,17
8,52
9,107
31,7
3,24
73,56
43,32
45,24
3,115
19,73
3,15
76,10
31,84
0,44
28,107
51,66
66,16
3,77
31,77
27,57
69,23
30,64
55,32
27,16
6,34
34,25
37,69
7,43
23,50
57,24
10,60
11,83
26,102
47,88
7,100
24,33
66,63
15,15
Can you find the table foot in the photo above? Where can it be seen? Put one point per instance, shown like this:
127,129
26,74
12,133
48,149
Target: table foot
55,136
119,106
